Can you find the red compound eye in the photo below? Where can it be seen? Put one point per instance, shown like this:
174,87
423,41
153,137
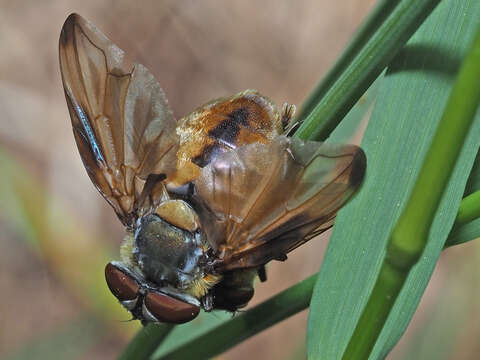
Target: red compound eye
168,309
121,285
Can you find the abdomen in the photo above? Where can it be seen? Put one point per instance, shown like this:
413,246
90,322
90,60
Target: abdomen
220,125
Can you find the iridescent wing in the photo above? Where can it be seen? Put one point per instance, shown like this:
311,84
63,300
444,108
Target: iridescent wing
123,126
261,201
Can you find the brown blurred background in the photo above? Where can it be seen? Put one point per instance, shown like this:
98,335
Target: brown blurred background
56,231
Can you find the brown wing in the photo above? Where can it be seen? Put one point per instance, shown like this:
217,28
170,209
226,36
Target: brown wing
123,126
262,201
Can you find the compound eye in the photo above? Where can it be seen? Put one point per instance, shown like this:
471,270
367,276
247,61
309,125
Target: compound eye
168,309
120,284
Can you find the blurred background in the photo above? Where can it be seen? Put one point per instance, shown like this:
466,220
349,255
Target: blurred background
57,233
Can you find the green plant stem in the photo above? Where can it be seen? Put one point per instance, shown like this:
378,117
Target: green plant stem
469,209
409,236
375,55
262,316
466,226
463,234
145,342
371,24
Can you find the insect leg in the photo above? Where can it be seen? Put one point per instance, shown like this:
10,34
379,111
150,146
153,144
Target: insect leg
262,273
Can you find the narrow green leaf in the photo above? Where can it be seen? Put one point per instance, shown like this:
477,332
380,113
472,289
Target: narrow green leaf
344,132
473,183
368,28
146,341
405,18
185,333
468,228
464,233
397,137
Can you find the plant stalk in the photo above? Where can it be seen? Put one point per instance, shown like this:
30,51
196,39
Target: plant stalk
371,24
367,65
146,341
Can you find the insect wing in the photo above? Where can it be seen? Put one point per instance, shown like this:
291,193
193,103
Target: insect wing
123,126
263,200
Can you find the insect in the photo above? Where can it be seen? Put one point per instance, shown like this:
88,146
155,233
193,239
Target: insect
207,200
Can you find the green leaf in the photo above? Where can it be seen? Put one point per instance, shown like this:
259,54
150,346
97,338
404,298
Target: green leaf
473,183
368,28
375,55
350,123
146,341
183,334
398,135
464,233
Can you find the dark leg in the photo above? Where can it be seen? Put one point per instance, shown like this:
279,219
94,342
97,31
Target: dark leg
262,273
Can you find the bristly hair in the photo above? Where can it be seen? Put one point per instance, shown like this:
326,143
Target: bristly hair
200,287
